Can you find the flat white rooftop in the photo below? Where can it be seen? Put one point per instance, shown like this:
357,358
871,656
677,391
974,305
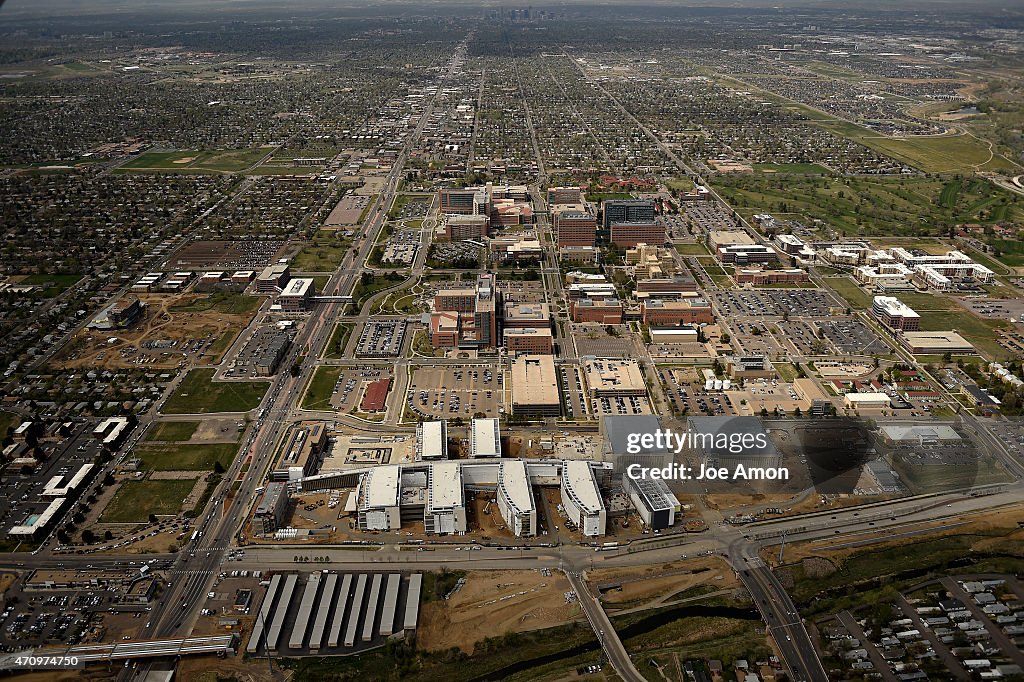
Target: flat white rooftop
445,486
297,287
382,486
514,480
579,479
486,440
432,439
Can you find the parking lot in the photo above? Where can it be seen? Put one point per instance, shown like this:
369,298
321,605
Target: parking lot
708,216
755,338
685,390
381,339
348,390
573,392
449,392
850,336
594,339
802,337
995,308
774,303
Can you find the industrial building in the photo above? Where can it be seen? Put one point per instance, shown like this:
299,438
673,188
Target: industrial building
301,454
457,228
297,295
936,343
674,335
678,284
526,316
377,499
273,278
485,438
600,310
120,314
535,386
744,254
653,501
608,378
433,492
866,401
581,498
269,357
615,432
895,314
467,317
628,211
432,440
629,234
720,436
270,512
515,498
112,431
445,511
574,228
760,277
690,310
530,341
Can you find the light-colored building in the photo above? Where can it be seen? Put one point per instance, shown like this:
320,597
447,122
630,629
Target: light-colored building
869,401
432,440
688,311
614,378
581,498
297,295
895,314
936,343
527,316
485,438
515,498
445,511
535,386
378,499
673,335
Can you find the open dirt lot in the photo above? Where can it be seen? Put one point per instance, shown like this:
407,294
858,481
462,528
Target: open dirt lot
661,582
194,336
492,603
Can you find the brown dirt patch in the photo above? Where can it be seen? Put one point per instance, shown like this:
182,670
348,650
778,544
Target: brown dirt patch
492,603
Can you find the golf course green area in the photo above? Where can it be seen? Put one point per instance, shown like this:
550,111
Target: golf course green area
858,206
222,161
185,456
134,501
199,394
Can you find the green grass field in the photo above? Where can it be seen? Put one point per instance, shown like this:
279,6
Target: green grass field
172,431
323,253
868,206
793,168
221,302
136,500
849,291
221,345
185,456
321,388
222,161
1011,252
199,394
54,285
335,347
695,249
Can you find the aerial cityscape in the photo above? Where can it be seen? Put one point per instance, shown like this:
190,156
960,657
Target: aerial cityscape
483,341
